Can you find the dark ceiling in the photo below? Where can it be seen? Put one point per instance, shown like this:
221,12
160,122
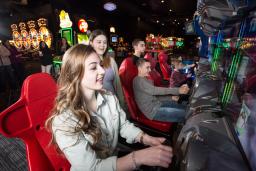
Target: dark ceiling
132,18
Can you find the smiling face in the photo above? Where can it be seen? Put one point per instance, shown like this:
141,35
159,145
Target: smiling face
93,73
144,69
99,43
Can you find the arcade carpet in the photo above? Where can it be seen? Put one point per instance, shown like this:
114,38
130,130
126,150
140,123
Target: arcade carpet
12,154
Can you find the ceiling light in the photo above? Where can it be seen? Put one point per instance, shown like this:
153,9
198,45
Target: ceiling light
112,29
157,21
186,19
162,24
170,10
144,4
175,20
162,1
110,6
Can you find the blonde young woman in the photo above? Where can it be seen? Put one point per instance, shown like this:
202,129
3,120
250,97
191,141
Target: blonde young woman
111,81
86,121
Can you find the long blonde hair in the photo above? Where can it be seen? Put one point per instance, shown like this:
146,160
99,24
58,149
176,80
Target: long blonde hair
70,94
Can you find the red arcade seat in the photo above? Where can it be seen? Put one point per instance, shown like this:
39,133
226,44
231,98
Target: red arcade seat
154,74
127,72
165,68
25,119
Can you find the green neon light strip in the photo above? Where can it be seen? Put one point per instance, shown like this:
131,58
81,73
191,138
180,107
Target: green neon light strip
230,82
216,54
215,58
229,86
57,62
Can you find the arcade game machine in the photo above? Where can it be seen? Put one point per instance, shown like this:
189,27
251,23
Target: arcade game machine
219,133
122,49
66,27
66,31
28,36
114,40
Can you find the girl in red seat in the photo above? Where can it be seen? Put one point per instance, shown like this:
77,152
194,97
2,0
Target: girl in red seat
86,121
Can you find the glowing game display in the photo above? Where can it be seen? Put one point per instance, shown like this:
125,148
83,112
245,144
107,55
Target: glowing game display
159,42
25,39
25,36
65,21
82,25
33,34
16,36
44,33
66,27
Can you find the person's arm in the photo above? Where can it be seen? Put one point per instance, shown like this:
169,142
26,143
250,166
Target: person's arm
127,129
134,134
164,98
149,88
5,51
160,155
179,79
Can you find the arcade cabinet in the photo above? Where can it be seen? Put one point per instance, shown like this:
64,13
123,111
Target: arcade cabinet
219,133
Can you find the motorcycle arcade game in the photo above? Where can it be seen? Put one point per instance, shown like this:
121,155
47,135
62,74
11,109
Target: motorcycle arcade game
220,129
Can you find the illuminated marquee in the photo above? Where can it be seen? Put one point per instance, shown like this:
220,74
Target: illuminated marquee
25,36
65,21
16,36
82,25
44,33
34,38
30,39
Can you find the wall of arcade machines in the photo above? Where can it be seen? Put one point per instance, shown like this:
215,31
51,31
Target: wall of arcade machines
26,36
220,129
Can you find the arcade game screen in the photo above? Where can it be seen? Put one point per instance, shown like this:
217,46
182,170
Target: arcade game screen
239,97
246,128
83,39
68,35
114,39
189,27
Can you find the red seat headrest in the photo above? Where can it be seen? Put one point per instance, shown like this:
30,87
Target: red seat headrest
162,57
148,56
152,61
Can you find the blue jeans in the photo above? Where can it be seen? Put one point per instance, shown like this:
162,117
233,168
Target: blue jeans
170,111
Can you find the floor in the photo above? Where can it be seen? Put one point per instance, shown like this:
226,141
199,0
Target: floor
12,154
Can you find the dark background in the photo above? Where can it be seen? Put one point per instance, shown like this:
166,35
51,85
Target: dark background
132,18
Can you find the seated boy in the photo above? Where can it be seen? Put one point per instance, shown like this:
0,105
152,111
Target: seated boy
153,101
177,78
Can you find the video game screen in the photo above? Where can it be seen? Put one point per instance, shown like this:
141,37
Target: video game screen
246,128
189,27
240,98
114,39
